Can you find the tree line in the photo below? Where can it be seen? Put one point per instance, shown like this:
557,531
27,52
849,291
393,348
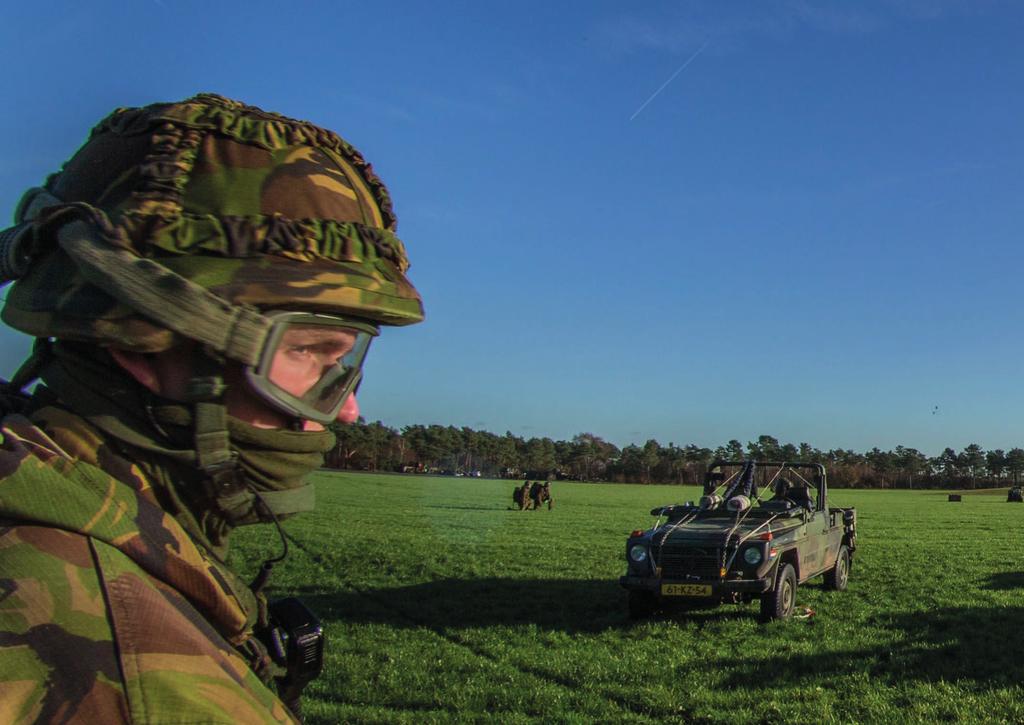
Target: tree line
588,457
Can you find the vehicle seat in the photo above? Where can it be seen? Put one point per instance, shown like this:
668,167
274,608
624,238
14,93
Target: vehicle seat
800,496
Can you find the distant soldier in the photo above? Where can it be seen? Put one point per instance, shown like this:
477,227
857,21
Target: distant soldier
535,488
521,496
539,494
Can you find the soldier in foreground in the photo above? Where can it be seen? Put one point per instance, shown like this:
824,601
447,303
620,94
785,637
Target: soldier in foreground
202,279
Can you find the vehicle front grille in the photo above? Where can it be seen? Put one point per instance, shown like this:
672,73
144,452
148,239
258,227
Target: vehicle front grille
677,561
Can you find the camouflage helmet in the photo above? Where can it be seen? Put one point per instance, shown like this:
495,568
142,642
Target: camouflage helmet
240,208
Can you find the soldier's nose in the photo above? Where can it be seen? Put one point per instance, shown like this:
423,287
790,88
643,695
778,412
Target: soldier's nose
349,412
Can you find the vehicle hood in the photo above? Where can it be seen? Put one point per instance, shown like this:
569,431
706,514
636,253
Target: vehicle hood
715,530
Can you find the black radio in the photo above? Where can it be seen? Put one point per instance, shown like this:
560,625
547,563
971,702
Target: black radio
295,640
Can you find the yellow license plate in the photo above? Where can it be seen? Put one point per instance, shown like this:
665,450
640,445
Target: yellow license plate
686,590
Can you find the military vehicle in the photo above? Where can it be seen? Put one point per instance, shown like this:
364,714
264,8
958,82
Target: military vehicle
736,545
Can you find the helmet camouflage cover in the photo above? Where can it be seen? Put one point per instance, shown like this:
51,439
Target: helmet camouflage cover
259,209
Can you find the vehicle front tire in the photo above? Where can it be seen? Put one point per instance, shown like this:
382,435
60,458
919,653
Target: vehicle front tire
641,604
838,577
779,602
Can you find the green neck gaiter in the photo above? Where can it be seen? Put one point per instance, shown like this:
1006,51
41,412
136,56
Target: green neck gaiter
273,463
157,435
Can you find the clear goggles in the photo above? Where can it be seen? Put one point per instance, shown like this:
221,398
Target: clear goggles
311,363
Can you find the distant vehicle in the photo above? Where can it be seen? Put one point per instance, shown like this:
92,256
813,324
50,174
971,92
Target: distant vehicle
735,547
1015,495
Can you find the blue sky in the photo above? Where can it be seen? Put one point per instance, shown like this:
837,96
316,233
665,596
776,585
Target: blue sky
812,231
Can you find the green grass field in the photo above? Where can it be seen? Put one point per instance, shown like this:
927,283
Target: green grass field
443,605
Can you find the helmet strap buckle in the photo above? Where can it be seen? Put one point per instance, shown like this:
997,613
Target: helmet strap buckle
214,456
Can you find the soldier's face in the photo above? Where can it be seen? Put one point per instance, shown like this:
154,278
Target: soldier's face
304,354
243,403
168,373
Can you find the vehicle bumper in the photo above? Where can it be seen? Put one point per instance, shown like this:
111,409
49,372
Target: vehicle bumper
720,588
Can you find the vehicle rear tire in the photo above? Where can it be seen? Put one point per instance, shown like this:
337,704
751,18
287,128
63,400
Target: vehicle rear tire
838,577
641,604
779,602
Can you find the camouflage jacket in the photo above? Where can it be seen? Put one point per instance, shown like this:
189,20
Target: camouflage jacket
109,612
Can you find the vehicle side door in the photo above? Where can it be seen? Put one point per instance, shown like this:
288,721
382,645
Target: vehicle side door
833,537
815,550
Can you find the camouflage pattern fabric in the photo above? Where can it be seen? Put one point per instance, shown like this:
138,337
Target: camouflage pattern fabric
257,208
539,494
521,496
108,610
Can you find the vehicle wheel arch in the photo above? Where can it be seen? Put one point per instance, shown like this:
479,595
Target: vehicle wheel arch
838,577
850,541
780,601
791,557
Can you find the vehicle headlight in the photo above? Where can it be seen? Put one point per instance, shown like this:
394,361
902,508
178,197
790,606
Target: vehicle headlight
752,555
638,553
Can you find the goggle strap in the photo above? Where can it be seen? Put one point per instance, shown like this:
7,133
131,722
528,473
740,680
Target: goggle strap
169,299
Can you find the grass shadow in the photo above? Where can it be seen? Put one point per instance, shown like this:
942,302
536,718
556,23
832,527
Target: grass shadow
565,605
1005,580
976,646
572,606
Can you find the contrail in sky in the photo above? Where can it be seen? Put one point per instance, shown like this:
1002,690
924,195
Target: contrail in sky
671,78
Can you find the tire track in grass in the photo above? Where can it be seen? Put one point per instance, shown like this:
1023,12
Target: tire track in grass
624,705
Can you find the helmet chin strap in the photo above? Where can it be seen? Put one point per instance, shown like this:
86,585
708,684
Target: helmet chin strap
214,456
